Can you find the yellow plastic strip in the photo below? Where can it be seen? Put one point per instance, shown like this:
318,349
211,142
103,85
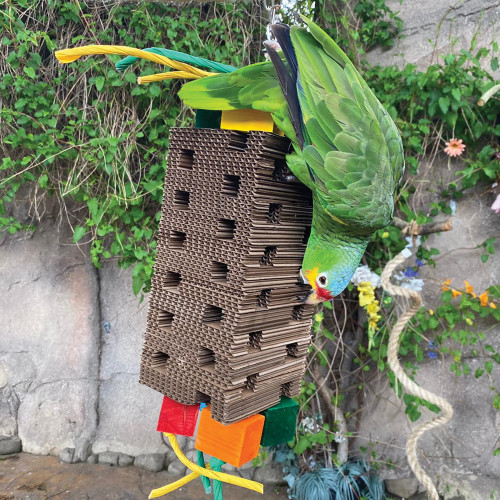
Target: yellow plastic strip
70,55
159,492
201,471
170,75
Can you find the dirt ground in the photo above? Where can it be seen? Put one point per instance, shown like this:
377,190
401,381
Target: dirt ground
31,477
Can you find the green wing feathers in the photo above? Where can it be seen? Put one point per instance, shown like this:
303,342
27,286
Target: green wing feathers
356,154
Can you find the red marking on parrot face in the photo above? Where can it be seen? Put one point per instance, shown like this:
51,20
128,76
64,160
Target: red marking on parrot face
319,293
323,293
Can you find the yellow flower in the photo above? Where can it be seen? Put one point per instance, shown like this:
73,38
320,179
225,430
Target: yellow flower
493,305
455,293
365,286
445,285
364,300
468,287
431,312
371,305
469,321
385,234
484,299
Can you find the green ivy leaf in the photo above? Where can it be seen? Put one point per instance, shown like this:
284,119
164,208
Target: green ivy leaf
99,83
444,104
301,446
456,94
78,233
43,180
30,72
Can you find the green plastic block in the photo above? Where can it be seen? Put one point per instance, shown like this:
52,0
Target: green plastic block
280,423
207,119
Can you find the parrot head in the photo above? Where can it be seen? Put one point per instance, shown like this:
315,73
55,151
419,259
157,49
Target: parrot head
319,283
328,267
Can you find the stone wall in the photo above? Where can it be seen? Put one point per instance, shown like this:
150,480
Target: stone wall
436,27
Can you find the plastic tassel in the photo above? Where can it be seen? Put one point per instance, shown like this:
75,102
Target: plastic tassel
206,482
201,471
216,465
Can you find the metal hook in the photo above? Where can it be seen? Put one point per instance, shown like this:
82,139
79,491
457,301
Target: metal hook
272,9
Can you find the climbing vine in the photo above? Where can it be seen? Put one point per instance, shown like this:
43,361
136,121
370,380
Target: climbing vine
90,136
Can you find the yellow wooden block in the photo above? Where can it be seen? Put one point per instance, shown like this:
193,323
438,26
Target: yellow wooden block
248,119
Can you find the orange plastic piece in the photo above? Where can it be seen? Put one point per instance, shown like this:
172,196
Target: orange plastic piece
247,119
235,443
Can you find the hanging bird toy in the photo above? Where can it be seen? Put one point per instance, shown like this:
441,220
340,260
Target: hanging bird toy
229,322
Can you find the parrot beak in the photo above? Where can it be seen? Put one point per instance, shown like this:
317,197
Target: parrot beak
309,277
312,298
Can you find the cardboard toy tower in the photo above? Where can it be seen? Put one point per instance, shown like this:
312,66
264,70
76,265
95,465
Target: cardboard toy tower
227,327
226,323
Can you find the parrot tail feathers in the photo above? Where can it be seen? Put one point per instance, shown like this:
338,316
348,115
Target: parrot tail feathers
282,33
289,89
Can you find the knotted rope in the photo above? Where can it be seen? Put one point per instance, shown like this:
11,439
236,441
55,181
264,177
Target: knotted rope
409,385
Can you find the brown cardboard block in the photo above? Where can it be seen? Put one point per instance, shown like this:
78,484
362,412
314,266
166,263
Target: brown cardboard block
226,322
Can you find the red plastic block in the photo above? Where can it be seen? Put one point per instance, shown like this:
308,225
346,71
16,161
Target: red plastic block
177,418
235,444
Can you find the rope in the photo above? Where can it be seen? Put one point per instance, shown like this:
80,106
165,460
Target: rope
409,385
201,471
159,492
169,75
70,55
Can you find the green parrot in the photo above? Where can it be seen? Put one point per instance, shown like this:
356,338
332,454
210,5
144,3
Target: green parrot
347,149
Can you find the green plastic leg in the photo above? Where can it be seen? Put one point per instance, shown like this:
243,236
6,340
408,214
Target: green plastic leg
216,464
206,482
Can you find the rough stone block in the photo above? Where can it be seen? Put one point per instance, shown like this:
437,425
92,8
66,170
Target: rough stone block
176,467
83,449
109,457
8,411
153,462
125,460
271,474
246,471
128,411
49,341
51,414
128,415
10,445
3,378
404,487
67,456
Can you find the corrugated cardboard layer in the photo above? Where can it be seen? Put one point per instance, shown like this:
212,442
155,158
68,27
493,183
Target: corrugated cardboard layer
226,322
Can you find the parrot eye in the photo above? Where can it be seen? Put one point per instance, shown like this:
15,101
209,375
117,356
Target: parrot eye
322,279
